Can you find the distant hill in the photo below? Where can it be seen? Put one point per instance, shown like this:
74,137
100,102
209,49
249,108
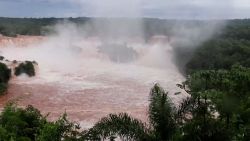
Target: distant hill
149,26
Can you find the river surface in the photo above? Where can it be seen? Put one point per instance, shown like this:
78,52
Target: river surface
77,79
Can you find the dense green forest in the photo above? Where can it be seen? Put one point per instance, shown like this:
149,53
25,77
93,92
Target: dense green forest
227,47
218,81
99,26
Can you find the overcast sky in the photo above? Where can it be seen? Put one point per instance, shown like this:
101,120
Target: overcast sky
177,9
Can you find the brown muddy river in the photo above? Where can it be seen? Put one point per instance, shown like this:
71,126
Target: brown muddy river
85,83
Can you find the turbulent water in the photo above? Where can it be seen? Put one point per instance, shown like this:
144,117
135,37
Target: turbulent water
74,76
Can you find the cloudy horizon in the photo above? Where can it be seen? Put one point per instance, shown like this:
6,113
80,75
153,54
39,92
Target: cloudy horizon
167,9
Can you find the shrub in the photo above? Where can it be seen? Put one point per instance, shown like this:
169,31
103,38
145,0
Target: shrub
27,68
5,74
1,57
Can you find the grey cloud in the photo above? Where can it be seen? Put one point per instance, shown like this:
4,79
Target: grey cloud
144,8
168,8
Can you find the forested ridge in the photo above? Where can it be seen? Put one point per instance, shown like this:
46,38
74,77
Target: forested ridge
217,78
238,29
231,46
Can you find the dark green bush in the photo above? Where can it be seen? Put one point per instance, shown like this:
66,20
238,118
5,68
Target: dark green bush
5,74
28,124
220,54
1,57
3,88
27,67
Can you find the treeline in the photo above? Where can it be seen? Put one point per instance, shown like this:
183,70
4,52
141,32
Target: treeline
150,26
218,78
226,48
93,26
121,26
23,26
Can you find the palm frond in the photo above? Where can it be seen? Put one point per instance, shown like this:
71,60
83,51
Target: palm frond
161,113
121,125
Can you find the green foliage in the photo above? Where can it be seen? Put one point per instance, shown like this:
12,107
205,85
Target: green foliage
29,125
209,130
218,81
23,26
61,129
227,47
1,58
237,29
121,125
5,74
20,123
222,92
3,134
3,88
27,68
97,26
161,114
220,54
198,122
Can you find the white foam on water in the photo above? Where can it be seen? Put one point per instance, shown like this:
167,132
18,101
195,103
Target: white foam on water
77,78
